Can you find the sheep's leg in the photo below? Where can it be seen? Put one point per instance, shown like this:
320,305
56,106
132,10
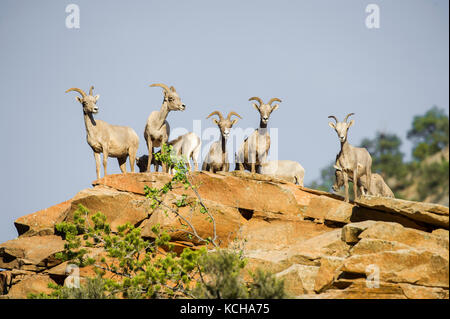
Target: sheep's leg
105,161
345,176
252,160
132,156
150,154
195,164
97,164
240,160
195,157
165,168
362,191
122,164
355,184
299,180
369,180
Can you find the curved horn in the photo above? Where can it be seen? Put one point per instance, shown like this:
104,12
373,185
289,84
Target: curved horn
216,113
273,100
165,87
255,98
348,115
233,113
333,117
77,90
90,90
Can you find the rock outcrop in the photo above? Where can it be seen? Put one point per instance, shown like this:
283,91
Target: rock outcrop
322,246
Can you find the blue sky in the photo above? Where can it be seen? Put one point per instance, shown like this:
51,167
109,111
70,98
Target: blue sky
317,56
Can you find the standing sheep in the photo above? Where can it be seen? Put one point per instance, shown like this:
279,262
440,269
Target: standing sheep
253,151
217,157
111,140
354,161
157,129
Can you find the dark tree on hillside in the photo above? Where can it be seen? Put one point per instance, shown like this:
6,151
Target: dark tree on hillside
429,133
387,159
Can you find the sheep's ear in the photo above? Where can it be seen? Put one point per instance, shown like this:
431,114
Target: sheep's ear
331,124
96,97
255,106
79,99
351,123
216,121
234,121
275,107
337,168
172,89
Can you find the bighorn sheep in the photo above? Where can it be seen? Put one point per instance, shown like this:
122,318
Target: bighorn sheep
354,161
217,157
378,186
157,129
187,145
287,170
253,151
111,140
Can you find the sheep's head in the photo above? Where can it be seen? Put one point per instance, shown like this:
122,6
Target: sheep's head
341,128
265,109
171,98
224,124
89,102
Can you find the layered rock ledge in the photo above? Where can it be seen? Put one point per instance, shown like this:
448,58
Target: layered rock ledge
323,246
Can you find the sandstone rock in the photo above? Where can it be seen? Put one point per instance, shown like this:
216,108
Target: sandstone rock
31,284
271,221
330,268
432,214
326,208
5,281
350,232
227,220
371,246
262,194
358,289
420,292
293,283
119,207
441,232
300,273
423,268
42,222
270,235
30,253
411,237
326,244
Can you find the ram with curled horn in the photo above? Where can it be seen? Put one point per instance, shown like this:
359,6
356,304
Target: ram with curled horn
157,129
217,157
353,162
255,148
116,141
